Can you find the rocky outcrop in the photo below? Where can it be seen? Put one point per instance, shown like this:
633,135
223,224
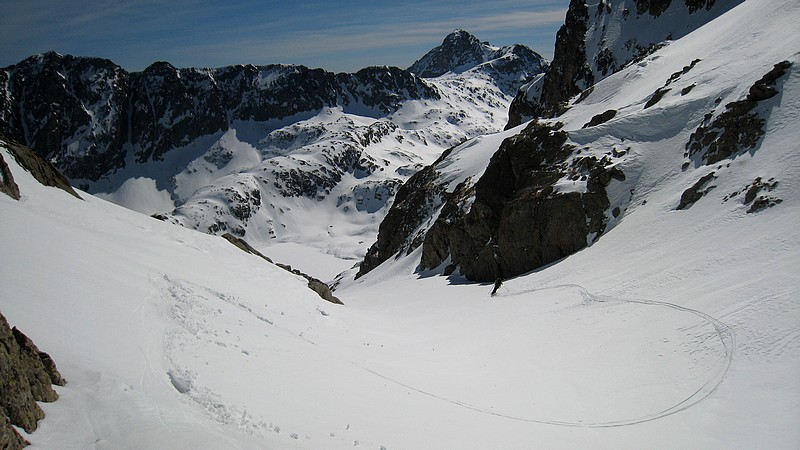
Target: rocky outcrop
170,108
567,75
511,220
26,376
44,172
9,437
68,109
696,191
7,184
600,118
662,91
739,127
319,287
518,221
382,88
587,50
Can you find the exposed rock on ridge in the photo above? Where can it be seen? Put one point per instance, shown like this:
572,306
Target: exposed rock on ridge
567,75
70,110
44,172
402,229
459,51
319,287
7,184
738,127
586,51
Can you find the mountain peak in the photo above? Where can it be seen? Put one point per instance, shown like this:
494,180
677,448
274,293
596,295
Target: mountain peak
459,34
458,52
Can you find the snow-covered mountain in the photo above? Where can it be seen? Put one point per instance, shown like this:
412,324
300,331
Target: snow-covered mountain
599,39
93,118
673,323
460,52
506,204
271,152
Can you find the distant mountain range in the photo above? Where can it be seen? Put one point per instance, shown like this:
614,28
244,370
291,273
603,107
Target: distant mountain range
233,149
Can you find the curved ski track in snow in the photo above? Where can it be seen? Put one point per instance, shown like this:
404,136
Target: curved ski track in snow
723,331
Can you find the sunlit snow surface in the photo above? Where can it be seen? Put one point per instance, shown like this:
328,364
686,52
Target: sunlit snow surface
676,329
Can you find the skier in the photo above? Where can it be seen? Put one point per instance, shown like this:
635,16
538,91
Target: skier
497,283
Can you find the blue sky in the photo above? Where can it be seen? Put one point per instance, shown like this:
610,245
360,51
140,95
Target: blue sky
337,36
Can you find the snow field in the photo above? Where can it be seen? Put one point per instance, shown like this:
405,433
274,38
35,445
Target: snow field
676,329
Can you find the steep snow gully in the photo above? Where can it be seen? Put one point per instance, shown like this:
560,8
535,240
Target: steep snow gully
724,334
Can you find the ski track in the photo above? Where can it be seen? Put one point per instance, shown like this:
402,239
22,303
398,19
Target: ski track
723,332
225,413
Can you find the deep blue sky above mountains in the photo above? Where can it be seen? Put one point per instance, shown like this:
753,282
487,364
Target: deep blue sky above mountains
337,36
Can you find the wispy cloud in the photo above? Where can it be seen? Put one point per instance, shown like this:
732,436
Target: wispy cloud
341,35
298,45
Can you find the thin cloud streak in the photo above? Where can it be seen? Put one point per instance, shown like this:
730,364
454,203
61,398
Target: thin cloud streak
361,37
198,34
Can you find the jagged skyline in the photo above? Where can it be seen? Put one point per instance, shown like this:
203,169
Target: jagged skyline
340,37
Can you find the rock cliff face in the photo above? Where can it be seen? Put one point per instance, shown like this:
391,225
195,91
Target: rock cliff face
70,110
403,230
513,219
597,41
7,184
459,51
517,220
26,376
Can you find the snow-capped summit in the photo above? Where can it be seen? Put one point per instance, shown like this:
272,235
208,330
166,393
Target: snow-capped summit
461,51
458,52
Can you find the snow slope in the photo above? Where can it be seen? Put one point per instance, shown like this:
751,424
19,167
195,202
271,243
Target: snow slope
676,329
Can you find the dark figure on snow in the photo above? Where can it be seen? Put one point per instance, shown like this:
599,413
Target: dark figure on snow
497,283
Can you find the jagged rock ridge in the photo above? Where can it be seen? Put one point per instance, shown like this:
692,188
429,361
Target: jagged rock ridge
85,114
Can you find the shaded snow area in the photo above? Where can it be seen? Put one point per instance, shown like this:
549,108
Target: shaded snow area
675,329
141,195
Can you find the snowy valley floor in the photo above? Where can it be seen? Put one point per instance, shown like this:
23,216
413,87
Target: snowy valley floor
174,339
